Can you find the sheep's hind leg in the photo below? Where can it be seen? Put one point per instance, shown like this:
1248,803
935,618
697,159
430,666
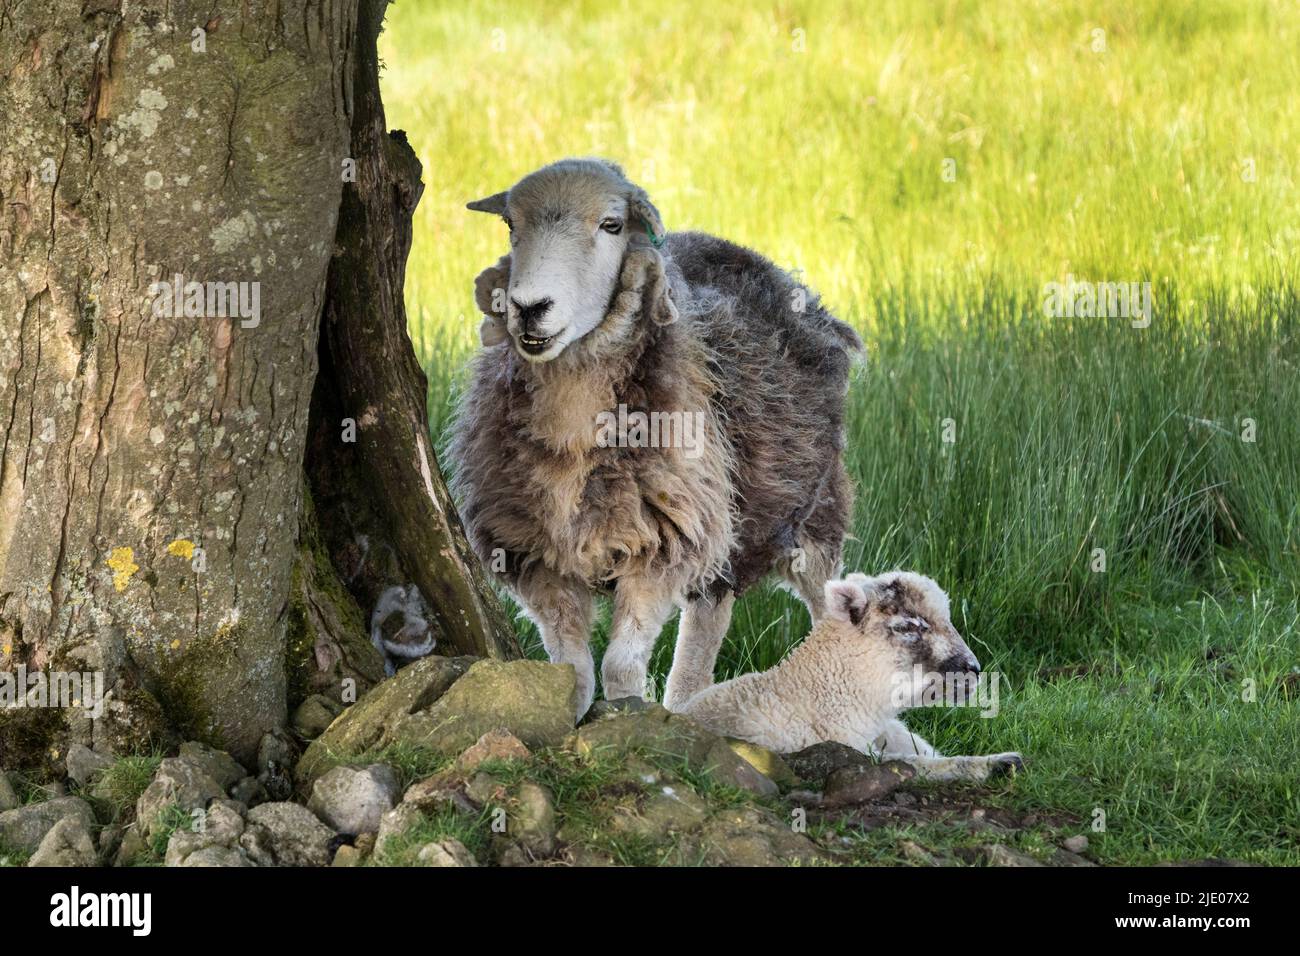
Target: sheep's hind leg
807,570
640,612
699,638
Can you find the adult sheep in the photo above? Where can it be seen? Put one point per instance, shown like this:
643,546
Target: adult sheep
594,318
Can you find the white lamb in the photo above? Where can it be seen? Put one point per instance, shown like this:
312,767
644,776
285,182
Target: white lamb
885,645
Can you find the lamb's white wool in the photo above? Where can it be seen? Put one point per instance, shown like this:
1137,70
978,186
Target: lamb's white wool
853,676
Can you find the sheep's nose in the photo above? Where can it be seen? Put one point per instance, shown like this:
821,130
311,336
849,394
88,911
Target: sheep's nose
532,312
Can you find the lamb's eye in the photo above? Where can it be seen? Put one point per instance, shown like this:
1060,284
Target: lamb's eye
612,226
910,627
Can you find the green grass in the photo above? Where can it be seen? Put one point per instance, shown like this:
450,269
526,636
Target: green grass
1069,435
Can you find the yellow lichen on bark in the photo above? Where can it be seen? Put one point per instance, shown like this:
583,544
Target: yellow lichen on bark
122,563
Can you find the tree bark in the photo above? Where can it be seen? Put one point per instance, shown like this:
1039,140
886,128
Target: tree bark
154,520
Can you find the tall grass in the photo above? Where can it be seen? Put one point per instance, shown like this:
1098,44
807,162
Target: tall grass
929,167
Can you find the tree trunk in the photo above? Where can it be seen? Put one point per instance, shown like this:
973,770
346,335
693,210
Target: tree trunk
156,522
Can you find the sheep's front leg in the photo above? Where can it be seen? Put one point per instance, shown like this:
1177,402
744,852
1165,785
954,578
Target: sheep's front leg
896,742
640,612
562,610
699,638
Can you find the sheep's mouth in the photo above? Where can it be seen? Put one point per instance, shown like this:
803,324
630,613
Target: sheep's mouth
533,345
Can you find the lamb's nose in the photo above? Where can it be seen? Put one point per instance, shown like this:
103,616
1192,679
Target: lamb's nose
960,665
532,312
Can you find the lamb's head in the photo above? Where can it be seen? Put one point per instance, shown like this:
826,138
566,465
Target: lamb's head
905,621
580,234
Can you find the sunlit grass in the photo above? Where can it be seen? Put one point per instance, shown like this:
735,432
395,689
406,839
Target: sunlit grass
1163,148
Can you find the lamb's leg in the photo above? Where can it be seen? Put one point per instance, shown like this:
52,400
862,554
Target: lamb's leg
562,610
896,742
976,769
699,638
640,612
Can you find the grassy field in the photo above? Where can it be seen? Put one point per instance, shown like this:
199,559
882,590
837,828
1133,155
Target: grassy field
930,167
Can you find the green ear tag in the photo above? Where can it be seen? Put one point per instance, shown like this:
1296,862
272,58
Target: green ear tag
653,241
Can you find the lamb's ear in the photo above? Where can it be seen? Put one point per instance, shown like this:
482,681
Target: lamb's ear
845,601
642,212
496,205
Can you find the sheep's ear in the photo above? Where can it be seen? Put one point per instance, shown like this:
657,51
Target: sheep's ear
642,211
496,205
490,289
845,601
658,295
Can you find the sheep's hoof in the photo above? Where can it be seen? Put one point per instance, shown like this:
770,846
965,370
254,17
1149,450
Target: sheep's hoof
1007,765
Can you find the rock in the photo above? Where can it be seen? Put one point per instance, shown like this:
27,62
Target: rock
276,757
673,808
531,821
438,791
352,800
394,823
276,751
223,856
286,834
83,763
864,784
499,744
348,856
223,825
376,717
23,828
130,848
585,856
177,781
723,765
8,799
1076,844
448,852
217,764
249,792
1067,858
997,854
68,843
483,789
819,761
654,730
535,701
916,854
621,705
314,716
766,762
110,837
753,837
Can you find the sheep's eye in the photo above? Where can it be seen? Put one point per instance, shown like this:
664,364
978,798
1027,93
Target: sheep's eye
612,226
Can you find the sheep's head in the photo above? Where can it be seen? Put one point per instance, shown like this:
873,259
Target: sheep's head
580,235
904,617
